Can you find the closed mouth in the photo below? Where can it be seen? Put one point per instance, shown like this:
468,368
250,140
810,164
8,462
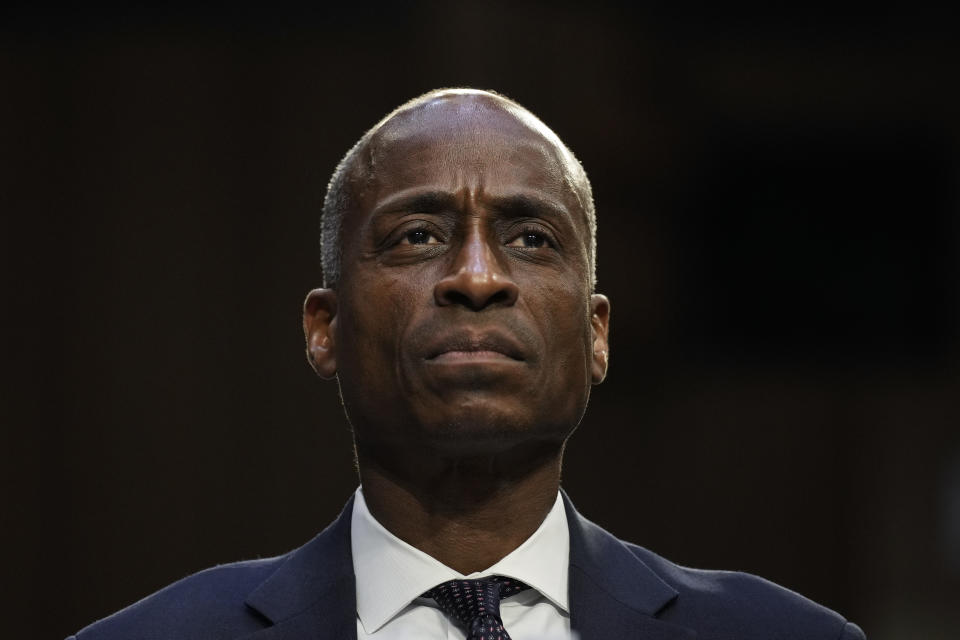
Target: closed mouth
480,354
464,347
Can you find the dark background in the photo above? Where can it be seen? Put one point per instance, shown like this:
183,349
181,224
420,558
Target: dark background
777,192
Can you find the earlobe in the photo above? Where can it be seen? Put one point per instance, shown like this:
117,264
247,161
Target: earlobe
600,329
319,328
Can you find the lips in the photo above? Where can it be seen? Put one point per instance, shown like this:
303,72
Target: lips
474,344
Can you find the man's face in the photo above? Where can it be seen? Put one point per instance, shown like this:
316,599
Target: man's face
464,320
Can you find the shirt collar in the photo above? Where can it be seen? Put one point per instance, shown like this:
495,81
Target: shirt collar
390,573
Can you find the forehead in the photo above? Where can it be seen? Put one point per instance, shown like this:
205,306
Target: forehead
468,142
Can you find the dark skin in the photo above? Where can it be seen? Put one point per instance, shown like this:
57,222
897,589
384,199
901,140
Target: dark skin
463,331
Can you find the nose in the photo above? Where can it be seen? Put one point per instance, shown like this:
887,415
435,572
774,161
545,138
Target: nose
476,279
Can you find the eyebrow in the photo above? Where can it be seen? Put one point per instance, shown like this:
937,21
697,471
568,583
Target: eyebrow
419,201
517,205
527,205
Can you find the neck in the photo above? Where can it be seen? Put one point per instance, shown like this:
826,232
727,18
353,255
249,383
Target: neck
468,513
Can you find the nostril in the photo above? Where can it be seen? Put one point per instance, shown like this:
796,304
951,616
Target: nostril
500,297
475,293
454,297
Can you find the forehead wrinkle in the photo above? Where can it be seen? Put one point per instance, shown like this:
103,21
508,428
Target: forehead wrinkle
464,157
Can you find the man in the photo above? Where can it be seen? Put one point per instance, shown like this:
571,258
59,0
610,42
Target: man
460,321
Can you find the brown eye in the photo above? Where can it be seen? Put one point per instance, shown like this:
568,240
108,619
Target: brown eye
534,240
419,236
530,240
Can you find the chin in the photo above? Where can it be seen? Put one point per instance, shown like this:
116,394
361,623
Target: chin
490,432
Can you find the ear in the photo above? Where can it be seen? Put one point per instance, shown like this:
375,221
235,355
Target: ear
600,327
319,328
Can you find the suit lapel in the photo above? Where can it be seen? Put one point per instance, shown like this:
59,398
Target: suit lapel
613,594
313,593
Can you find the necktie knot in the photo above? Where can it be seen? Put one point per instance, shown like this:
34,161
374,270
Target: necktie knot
475,604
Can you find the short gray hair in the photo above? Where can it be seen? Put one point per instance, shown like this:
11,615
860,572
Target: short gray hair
352,171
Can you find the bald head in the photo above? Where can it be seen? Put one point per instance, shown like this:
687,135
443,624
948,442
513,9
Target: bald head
457,123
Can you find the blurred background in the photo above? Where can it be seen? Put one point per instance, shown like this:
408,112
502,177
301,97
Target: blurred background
777,191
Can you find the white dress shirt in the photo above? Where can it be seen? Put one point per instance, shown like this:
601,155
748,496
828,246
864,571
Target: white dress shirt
391,576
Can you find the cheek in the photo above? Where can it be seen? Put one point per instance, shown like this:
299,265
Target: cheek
371,328
375,319
565,324
565,377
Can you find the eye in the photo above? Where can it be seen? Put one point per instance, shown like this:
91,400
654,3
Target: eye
419,236
530,240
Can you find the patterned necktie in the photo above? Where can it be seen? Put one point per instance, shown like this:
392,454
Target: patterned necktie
475,604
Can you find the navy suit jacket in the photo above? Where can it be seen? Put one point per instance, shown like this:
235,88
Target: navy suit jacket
618,591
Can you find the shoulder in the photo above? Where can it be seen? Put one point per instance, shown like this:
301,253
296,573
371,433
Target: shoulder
233,600
206,605
733,604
